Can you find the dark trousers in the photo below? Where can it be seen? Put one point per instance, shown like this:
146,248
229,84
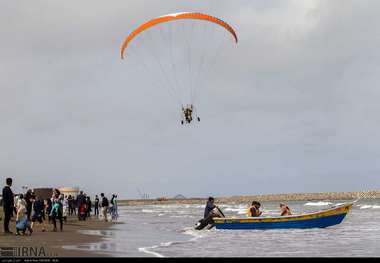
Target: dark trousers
71,210
29,211
60,219
7,218
96,210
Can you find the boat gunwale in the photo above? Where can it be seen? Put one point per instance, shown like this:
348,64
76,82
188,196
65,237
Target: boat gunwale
322,213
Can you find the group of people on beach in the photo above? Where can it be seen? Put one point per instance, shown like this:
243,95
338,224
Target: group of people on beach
30,209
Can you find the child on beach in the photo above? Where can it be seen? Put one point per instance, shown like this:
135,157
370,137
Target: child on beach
38,212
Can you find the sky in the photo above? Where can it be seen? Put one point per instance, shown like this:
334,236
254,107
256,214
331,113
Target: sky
293,107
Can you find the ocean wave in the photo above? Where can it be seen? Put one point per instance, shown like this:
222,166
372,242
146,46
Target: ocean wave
232,209
182,216
318,204
148,250
369,206
239,211
196,234
149,211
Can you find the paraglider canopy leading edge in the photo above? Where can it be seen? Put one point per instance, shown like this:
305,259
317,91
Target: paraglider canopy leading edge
191,68
172,17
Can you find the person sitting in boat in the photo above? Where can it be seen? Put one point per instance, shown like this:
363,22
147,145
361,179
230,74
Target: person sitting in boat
285,210
254,209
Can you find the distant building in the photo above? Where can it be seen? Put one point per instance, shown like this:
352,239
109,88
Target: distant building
73,191
179,197
43,193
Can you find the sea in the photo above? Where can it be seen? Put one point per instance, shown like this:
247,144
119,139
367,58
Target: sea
168,231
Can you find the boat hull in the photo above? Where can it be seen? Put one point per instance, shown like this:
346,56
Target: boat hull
321,219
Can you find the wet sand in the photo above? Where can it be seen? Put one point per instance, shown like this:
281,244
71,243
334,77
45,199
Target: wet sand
52,242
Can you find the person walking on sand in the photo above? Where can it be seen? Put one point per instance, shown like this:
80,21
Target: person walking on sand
70,201
65,207
96,206
56,210
8,204
80,202
29,201
105,205
38,212
48,207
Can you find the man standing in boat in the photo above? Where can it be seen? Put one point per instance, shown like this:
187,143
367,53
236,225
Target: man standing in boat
211,211
209,206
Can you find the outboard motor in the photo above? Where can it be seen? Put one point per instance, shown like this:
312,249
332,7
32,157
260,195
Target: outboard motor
208,221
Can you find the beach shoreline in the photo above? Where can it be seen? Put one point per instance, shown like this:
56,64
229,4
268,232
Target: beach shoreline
332,196
51,244
76,233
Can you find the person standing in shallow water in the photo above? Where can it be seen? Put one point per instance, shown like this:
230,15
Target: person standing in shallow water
105,205
113,207
89,206
8,204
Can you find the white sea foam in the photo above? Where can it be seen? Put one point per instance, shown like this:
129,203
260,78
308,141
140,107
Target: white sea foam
149,211
147,250
369,206
182,216
318,204
196,234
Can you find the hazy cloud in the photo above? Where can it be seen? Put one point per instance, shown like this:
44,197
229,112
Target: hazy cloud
297,111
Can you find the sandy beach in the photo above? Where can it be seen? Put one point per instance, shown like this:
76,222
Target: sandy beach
50,244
